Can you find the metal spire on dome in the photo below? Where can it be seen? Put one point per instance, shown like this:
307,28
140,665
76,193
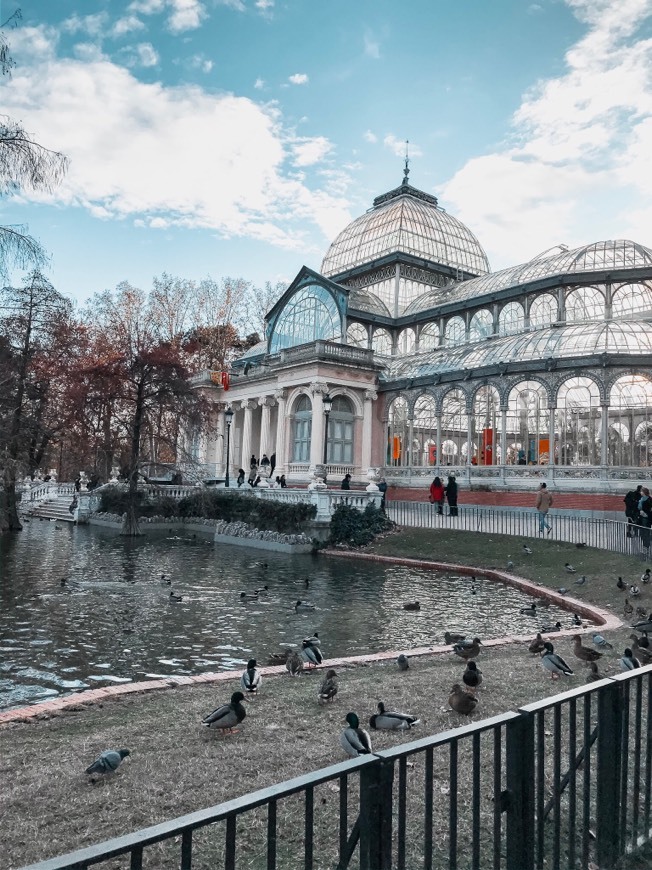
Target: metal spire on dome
406,171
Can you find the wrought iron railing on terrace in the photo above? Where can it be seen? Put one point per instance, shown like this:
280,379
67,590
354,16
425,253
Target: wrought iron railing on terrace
557,784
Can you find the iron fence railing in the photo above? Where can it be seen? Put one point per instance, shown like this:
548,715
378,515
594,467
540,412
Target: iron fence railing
556,784
604,534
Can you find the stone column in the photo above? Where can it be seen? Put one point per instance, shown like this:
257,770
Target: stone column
245,454
265,435
370,397
318,389
281,450
604,431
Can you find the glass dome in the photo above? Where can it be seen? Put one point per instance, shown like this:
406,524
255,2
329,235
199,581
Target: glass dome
408,221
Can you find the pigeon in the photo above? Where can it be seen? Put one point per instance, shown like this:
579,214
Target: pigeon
581,580
228,715
569,568
634,590
628,662
109,761
527,551
175,597
601,642
328,688
472,676
403,663
562,590
620,584
354,740
554,663
387,721
251,678
294,664
510,564
645,576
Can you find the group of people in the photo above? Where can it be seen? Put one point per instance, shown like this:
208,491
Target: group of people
638,510
440,493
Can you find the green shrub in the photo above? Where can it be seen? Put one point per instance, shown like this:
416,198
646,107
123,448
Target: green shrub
357,528
264,514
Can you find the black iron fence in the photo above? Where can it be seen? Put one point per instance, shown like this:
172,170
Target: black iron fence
619,537
557,784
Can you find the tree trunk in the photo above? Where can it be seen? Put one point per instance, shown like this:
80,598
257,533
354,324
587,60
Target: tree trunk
9,520
131,526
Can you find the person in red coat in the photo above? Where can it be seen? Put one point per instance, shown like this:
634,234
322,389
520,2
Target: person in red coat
437,494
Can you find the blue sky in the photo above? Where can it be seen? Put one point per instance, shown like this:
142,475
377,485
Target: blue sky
237,137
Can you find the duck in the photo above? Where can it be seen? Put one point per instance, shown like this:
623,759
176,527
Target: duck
386,721
634,590
628,662
354,740
468,649
554,663
262,590
601,642
550,629
645,576
63,581
472,676
313,640
643,655
108,761
594,673
575,619
278,658
584,652
175,597
304,607
413,605
529,611
628,609
569,568
621,584
644,641
166,580
641,612
226,717
312,654
536,647
451,637
251,678
527,551
249,596
643,625
294,664
306,582
403,663
461,701
328,688
581,545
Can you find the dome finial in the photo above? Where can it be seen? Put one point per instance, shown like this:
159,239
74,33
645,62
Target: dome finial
406,171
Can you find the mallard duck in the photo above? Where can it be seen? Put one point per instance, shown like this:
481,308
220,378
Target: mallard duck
634,590
628,662
251,678
166,580
468,649
644,641
537,644
621,584
509,564
529,611
304,607
108,762
294,664
313,640
527,551
403,663
328,688
461,701
228,715
452,637
354,740
261,591
279,658
386,721
175,597
645,576
628,609
312,654
249,596
554,663
551,629
643,655
583,652
472,676
594,673
601,642
575,619
569,568
413,605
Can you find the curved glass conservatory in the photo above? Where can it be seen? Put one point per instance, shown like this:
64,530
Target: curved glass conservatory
407,354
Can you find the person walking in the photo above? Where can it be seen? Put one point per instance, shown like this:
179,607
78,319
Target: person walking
543,504
631,508
346,482
382,488
241,477
451,494
437,494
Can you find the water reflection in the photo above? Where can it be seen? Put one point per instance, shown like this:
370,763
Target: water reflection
113,621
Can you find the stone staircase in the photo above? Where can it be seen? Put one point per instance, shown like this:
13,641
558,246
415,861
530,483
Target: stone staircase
53,509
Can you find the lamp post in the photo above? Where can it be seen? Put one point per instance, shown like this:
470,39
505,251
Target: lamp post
228,416
327,402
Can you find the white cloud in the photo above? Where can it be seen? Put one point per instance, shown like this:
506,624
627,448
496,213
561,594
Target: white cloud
397,146
146,54
169,156
201,62
264,5
182,14
371,46
580,140
127,24
298,79
147,7
259,84
91,25
370,137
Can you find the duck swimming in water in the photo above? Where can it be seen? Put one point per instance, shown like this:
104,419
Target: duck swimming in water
304,607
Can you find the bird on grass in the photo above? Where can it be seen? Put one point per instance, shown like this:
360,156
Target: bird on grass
527,551
303,607
562,590
569,568
581,545
584,653
413,605
468,649
294,664
251,678
621,584
389,721
312,654
643,655
354,740
634,590
313,640
643,625
550,629
581,580
175,597
510,564
451,637
594,673
628,609
529,611
108,762
554,663
628,662
226,717
328,688
472,676
644,641
645,576
537,645
403,663
461,701
601,642
641,612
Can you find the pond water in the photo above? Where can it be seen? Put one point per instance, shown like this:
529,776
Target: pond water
113,620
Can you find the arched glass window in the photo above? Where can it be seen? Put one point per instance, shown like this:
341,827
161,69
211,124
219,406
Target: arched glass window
424,432
429,337
454,425
511,319
455,332
302,429
482,325
356,335
382,342
577,423
406,341
584,303
398,433
630,410
631,299
543,311
485,422
528,429
340,432
310,314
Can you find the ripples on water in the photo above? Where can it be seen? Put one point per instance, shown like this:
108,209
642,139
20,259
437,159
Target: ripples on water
113,621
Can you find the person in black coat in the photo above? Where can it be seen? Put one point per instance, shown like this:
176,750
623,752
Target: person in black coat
451,494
